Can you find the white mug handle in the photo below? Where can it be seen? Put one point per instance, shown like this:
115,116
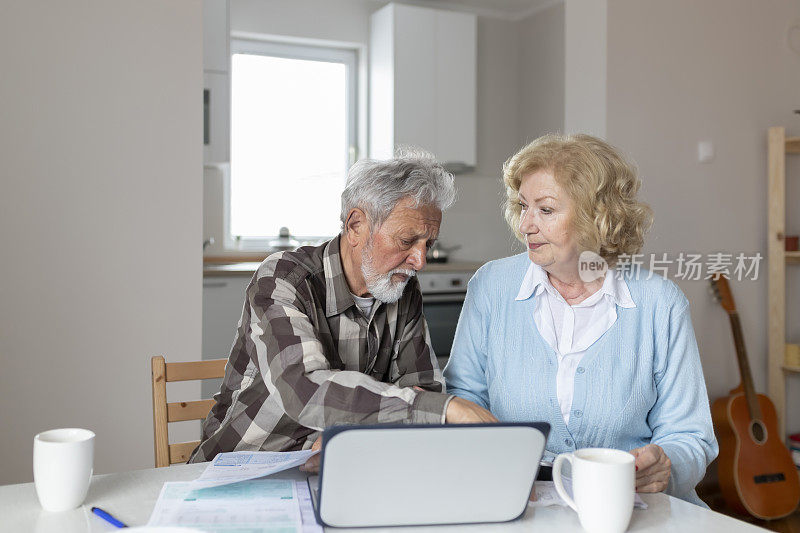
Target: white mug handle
559,484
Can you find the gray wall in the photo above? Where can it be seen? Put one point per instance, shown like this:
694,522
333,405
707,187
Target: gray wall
334,20
476,222
100,218
684,71
585,30
542,68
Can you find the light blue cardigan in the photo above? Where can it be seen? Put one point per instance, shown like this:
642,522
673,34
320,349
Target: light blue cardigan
640,383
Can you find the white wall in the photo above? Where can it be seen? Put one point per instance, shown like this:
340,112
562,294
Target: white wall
100,218
684,71
585,66
475,222
542,67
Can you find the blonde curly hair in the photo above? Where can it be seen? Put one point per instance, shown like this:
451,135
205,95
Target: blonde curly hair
608,219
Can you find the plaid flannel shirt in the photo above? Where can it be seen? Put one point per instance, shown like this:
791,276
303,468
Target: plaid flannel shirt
306,358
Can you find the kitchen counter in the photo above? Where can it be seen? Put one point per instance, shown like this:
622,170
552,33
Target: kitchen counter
230,269
247,268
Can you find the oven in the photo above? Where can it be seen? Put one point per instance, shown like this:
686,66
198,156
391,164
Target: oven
443,295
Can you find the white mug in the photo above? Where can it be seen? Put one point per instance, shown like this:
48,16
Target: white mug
62,467
603,487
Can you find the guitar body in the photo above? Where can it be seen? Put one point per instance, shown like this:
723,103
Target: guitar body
756,471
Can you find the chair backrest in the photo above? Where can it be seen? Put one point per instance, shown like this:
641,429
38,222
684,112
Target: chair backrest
164,413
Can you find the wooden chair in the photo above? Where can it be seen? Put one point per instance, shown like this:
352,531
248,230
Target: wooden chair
163,412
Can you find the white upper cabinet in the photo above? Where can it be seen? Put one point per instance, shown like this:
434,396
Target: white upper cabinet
216,81
216,117
423,83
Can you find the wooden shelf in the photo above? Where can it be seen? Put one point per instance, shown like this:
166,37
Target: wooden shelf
778,146
792,257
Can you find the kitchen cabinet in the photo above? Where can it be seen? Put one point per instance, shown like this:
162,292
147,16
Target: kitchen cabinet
216,81
223,300
423,83
216,117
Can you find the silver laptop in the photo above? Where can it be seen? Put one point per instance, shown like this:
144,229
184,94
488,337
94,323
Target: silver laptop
385,475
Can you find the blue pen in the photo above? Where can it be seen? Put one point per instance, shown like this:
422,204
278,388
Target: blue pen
107,517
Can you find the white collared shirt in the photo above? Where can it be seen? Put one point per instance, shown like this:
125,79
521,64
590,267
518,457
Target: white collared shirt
571,329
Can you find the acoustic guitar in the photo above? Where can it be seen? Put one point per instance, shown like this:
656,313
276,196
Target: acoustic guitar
756,472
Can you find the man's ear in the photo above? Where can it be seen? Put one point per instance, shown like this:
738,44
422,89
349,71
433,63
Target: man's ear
356,227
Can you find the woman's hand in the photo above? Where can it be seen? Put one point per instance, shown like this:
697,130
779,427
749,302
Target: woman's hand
652,468
312,465
461,411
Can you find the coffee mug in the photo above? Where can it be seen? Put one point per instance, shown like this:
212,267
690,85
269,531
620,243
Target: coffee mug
603,487
62,467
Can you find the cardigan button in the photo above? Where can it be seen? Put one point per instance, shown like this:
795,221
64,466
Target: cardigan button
581,370
568,442
578,413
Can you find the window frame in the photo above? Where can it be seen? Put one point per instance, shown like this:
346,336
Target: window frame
342,53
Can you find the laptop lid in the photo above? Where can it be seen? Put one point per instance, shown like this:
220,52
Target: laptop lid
400,475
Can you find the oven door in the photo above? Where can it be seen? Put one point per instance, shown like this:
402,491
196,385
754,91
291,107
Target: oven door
441,313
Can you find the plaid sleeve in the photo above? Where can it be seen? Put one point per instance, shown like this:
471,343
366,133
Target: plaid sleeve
296,371
418,366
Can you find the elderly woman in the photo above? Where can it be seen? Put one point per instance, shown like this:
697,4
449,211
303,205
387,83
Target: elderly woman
610,359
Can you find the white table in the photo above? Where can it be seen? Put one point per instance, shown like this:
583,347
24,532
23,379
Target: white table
131,496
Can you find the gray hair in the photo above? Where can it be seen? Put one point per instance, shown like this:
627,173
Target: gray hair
377,186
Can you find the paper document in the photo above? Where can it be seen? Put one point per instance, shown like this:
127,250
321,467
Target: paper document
310,524
546,495
256,506
233,467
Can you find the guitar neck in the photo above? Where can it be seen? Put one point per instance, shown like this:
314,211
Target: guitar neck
744,368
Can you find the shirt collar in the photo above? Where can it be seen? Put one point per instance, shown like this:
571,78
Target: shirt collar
534,282
337,291
614,286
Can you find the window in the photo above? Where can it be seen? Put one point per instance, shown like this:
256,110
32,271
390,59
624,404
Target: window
293,137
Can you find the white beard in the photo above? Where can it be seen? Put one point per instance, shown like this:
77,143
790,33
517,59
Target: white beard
381,286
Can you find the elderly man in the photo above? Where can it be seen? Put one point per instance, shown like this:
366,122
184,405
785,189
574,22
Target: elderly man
334,334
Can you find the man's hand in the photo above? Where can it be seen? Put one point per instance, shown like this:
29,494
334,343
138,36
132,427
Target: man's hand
312,465
461,411
652,468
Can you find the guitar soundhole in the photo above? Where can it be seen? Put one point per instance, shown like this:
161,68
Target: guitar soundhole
758,432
